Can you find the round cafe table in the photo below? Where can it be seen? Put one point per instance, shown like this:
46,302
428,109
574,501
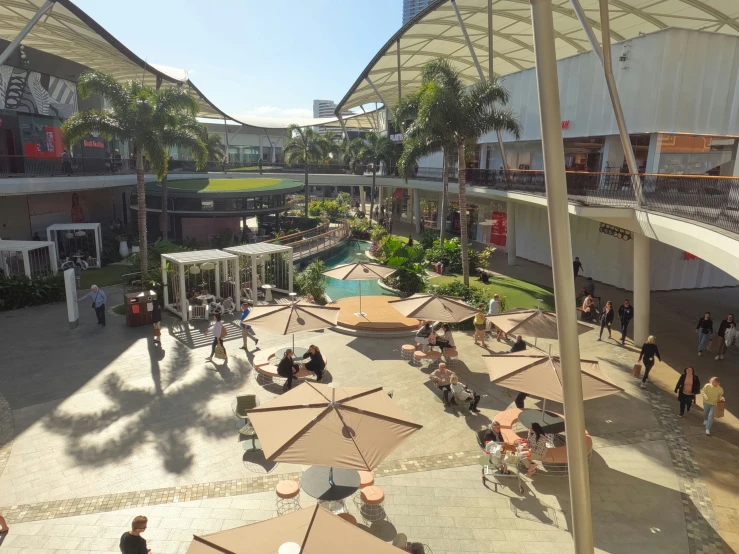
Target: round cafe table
550,422
267,293
315,483
299,351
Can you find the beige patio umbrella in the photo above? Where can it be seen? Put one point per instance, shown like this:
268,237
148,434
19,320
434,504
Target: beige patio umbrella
295,317
540,375
434,307
331,426
359,271
531,323
312,530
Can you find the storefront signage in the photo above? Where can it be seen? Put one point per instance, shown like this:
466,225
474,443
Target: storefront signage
93,144
566,124
397,137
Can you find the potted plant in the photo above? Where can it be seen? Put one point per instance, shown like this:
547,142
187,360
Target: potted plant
135,245
123,245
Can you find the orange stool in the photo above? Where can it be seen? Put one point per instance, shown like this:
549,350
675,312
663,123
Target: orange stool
433,357
288,497
419,357
372,509
348,517
366,479
406,351
451,356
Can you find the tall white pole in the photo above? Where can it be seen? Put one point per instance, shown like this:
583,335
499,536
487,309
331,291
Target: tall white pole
641,288
510,242
564,285
184,305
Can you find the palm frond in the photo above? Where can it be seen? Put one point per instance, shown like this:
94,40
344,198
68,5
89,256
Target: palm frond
81,125
94,82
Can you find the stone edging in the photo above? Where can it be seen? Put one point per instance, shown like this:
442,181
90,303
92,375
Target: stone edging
7,432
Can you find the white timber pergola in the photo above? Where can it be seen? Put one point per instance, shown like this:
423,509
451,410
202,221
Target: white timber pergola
32,258
272,263
77,236
183,264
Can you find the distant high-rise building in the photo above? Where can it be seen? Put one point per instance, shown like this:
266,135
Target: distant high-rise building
412,7
324,108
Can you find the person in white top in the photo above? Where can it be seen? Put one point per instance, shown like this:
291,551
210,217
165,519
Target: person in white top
494,305
219,333
463,394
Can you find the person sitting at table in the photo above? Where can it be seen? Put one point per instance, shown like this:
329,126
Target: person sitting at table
315,362
463,394
588,308
424,332
493,434
518,346
537,448
287,368
442,378
445,340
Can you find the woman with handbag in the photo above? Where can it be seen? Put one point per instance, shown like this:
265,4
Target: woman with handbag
219,333
648,351
606,319
687,387
704,330
537,447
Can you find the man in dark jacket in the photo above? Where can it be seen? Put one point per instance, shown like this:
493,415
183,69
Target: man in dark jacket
519,345
625,314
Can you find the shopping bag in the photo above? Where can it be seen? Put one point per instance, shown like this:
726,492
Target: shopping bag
636,370
720,407
220,352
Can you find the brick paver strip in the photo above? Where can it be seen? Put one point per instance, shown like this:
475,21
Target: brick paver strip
6,432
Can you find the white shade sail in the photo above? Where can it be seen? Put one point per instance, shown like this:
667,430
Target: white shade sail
435,32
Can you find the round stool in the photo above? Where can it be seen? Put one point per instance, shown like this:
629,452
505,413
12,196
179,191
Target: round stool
372,504
433,357
366,479
419,357
451,356
406,351
348,517
288,497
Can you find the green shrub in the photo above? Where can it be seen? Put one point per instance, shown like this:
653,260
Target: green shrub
312,281
451,254
361,229
410,276
110,251
428,237
474,296
22,292
333,208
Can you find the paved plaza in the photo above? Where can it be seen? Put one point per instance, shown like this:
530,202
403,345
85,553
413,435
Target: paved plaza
97,426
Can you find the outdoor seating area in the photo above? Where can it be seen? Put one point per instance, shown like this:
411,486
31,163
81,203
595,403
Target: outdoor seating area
33,259
265,266
78,244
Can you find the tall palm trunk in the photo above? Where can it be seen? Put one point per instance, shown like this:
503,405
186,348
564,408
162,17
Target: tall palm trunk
307,187
165,208
141,201
372,191
444,196
462,180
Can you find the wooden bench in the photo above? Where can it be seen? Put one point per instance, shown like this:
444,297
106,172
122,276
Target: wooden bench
269,370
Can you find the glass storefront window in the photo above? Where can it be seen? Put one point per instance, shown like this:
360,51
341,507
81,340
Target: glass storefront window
696,155
41,136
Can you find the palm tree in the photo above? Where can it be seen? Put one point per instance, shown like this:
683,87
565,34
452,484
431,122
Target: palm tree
139,114
213,144
375,149
305,146
351,152
446,116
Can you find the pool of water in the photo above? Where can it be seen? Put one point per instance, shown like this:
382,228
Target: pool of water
352,251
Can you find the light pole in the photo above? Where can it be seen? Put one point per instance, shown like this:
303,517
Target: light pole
564,284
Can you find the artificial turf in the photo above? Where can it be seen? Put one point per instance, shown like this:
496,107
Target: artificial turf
228,185
519,294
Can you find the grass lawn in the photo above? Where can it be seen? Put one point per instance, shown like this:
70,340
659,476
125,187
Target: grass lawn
105,276
230,185
254,168
519,294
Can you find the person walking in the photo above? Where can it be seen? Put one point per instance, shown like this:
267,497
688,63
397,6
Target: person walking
606,319
712,393
723,345
66,163
479,322
219,333
131,541
704,330
686,388
648,351
577,266
156,322
246,330
625,314
98,302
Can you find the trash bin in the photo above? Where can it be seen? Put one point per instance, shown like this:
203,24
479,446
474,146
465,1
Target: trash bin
139,308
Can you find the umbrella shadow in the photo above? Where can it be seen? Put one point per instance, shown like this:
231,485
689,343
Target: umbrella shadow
531,508
256,462
370,350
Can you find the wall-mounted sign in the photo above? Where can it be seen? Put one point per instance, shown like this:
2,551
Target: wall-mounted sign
93,144
566,124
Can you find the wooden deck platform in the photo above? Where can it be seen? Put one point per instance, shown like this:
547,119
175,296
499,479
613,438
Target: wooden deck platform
381,316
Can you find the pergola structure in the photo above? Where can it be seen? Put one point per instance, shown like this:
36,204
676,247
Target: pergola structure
189,268
73,239
31,258
268,262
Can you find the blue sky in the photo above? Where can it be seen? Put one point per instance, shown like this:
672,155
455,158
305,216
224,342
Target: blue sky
260,57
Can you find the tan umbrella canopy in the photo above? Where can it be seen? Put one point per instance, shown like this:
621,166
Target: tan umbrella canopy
325,425
541,375
292,318
531,323
312,530
358,271
434,307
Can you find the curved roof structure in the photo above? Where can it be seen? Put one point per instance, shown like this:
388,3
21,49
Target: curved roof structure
435,32
68,32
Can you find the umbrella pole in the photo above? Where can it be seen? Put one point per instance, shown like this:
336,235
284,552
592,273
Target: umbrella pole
293,342
543,409
331,476
360,297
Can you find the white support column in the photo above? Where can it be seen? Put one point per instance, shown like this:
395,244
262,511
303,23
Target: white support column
218,278
417,209
439,214
379,197
641,288
612,159
653,154
564,286
291,269
254,288
261,150
484,156
361,198
53,258
184,306
510,242
165,288
237,283
27,264
263,272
